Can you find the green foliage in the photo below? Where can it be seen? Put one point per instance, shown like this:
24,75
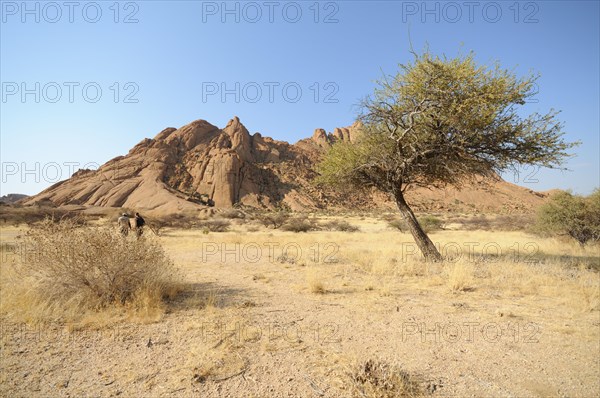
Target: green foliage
572,215
440,121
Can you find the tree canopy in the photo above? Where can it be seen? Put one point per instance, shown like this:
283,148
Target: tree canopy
442,121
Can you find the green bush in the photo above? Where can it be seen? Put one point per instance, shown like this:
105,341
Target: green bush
570,215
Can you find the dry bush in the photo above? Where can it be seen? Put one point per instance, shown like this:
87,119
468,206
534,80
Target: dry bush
431,223
180,221
66,268
214,225
428,223
399,224
276,220
233,214
379,379
30,215
478,222
299,225
340,225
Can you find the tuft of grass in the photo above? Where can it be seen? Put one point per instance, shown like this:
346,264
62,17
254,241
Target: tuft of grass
379,379
315,281
460,276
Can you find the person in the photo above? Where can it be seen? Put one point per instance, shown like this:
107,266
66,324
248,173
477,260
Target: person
123,223
139,224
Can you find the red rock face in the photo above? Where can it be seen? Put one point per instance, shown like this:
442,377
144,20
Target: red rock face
180,169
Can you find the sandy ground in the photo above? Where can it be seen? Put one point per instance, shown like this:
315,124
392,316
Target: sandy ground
249,324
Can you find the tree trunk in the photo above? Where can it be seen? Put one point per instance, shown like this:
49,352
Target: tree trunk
430,252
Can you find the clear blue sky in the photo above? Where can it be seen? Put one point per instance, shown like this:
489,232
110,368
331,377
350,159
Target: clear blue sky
171,62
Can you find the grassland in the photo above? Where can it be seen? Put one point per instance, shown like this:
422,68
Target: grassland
265,312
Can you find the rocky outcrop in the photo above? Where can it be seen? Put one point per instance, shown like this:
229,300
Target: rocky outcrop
199,164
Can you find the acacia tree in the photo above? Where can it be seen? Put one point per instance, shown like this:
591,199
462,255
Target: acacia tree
443,121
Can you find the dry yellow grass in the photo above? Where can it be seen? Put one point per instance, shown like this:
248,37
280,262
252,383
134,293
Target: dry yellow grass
374,280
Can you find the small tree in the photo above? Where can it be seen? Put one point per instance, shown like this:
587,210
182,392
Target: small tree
442,121
572,215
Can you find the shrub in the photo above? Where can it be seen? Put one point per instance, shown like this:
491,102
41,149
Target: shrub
572,215
66,266
214,225
340,225
431,223
299,225
232,214
276,220
398,224
428,223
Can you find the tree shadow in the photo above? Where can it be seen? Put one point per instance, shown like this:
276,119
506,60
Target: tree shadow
591,263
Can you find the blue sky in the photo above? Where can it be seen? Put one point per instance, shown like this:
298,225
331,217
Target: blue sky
83,82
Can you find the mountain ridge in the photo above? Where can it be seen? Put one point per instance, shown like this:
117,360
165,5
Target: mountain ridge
199,164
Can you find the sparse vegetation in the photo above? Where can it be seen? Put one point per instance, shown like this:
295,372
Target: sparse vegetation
233,214
379,379
216,225
299,225
345,277
431,223
428,223
29,215
340,225
275,220
65,268
315,281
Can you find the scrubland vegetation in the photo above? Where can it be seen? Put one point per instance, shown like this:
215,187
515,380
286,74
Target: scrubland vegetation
348,276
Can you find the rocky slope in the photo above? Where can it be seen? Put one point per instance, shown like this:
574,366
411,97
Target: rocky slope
199,164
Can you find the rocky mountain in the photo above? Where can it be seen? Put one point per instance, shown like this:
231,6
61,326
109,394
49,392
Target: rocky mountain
200,165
